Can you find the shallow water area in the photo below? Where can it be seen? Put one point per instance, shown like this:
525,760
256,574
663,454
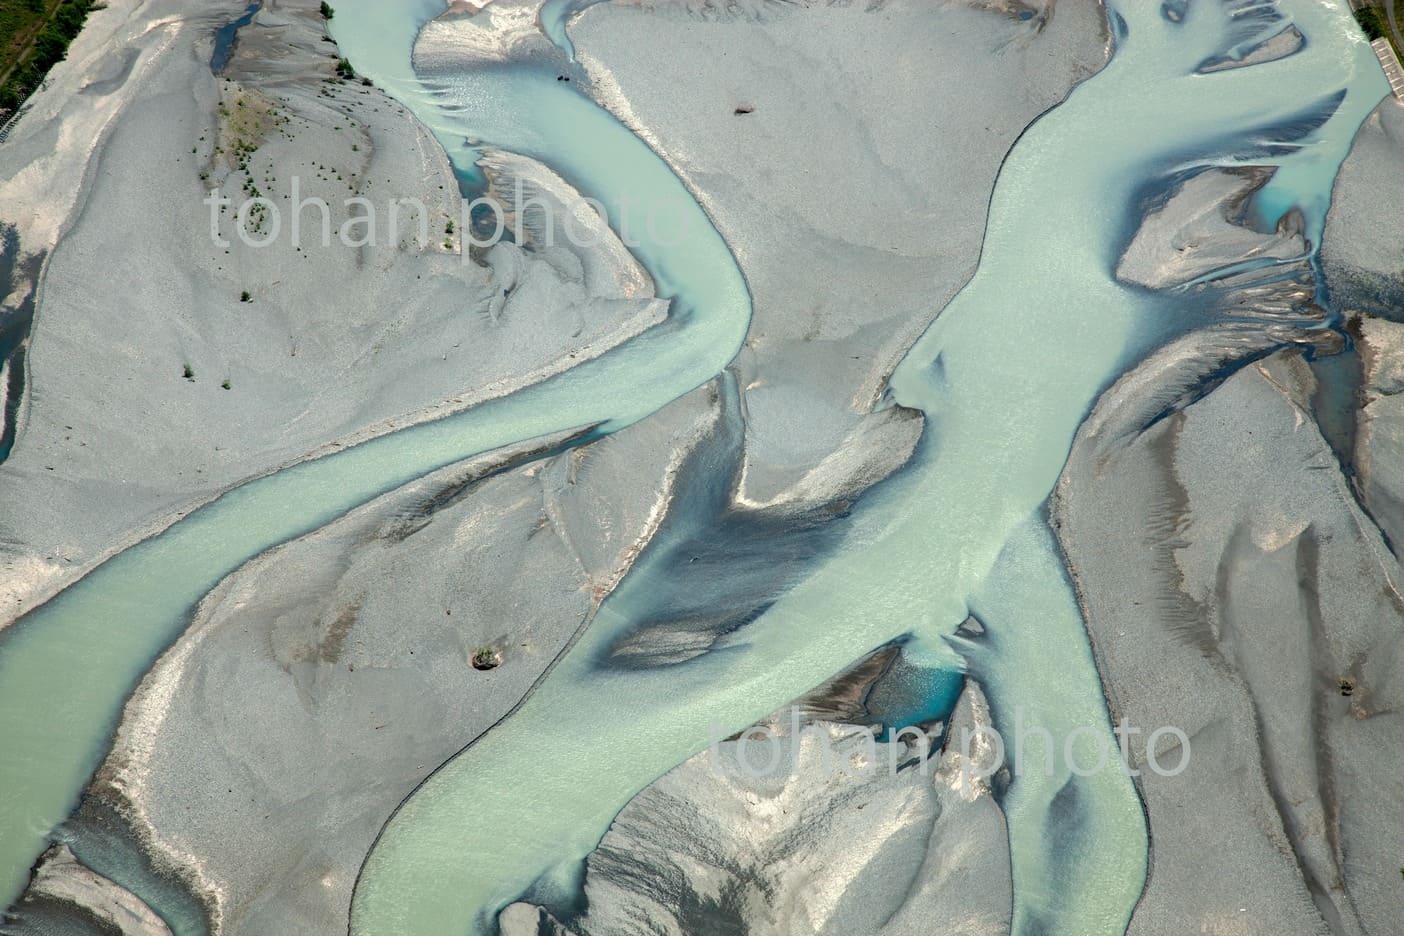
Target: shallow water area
128,610
959,529
227,35
1005,377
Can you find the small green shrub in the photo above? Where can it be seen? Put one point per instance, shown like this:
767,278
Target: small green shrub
188,373
327,11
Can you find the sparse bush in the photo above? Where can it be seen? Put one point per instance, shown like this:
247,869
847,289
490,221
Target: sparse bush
188,373
225,385
486,658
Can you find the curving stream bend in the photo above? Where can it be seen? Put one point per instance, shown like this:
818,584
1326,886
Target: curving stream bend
1005,376
86,649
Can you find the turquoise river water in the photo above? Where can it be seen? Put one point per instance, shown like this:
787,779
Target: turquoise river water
1005,375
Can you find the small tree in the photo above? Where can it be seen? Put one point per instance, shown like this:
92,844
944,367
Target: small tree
188,373
327,11
245,297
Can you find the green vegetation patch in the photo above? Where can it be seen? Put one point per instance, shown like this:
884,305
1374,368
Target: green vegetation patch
1375,23
1372,21
34,37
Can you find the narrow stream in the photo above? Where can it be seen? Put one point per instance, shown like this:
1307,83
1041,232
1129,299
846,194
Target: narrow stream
1005,375
227,35
84,651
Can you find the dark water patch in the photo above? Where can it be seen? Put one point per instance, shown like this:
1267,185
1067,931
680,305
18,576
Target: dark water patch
844,698
104,842
1173,11
17,361
228,34
712,576
911,693
1068,845
713,567
1241,36
1116,25
18,275
1271,140
418,516
1205,382
1067,814
1336,402
9,257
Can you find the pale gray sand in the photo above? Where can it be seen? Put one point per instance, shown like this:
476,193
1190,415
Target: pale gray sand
1200,229
1231,584
67,898
355,643
316,634
1363,257
1362,253
335,344
1301,845
1235,587
316,638
1379,448
855,212
265,716
830,842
